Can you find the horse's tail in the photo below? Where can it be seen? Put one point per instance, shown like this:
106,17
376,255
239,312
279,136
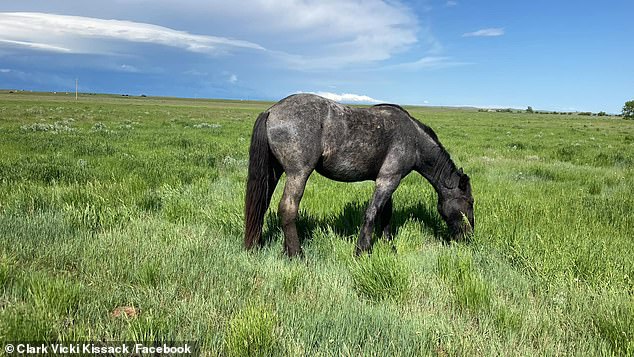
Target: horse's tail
261,177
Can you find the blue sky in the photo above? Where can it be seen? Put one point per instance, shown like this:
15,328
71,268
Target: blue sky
553,55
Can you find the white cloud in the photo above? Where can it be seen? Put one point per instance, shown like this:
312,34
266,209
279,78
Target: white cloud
76,34
428,62
308,34
451,3
5,70
488,32
233,79
347,97
34,45
128,68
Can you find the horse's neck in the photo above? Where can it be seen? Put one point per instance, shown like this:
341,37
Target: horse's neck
437,167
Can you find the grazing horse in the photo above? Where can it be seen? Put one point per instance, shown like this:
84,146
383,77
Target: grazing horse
305,132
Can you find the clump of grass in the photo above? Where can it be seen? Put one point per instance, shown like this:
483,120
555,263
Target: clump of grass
53,294
149,327
565,153
594,188
516,146
58,170
151,201
292,280
229,161
58,126
473,294
23,323
206,126
7,269
615,325
507,319
470,291
150,273
96,216
381,276
54,299
252,332
99,126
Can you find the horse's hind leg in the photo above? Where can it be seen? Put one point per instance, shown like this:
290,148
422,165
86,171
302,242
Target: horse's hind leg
289,206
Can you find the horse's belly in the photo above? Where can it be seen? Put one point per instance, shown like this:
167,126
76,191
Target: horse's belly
348,169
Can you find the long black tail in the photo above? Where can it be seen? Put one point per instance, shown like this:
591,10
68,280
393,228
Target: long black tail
262,179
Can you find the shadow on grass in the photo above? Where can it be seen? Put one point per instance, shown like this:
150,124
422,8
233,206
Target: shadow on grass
348,222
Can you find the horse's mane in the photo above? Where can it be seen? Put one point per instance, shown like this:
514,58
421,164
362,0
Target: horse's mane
391,105
429,131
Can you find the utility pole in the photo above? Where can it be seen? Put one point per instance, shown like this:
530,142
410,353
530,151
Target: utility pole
76,88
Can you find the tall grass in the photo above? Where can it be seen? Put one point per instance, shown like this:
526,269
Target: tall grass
137,207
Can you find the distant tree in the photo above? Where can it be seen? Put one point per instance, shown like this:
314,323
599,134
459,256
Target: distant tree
602,114
628,110
530,109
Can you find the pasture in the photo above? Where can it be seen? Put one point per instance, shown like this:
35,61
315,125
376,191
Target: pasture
122,219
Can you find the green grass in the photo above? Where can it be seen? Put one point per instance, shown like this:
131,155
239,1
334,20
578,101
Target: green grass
381,276
113,202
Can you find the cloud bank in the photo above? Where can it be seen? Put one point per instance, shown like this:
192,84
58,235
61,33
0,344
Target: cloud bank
86,35
347,97
315,34
304,35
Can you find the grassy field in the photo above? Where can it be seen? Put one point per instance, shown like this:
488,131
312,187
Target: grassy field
122,219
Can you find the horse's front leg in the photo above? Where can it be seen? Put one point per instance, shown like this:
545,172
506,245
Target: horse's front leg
385,186
385,218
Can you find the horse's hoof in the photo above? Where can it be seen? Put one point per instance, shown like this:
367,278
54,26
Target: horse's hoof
360,251
299,253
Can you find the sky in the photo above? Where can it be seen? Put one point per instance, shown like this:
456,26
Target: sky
551,55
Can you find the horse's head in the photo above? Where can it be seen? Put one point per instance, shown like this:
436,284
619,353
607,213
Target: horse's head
456,206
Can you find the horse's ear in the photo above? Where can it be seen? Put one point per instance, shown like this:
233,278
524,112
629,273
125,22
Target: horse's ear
464,182
458,179
453,181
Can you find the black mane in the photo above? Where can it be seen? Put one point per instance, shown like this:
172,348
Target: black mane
391,105
429,131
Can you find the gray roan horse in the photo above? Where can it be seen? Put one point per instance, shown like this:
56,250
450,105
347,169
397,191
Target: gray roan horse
305,132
